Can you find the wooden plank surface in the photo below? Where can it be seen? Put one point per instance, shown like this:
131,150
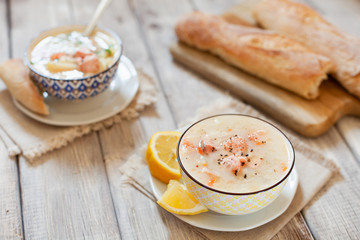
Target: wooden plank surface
4,36
65,196
72,194
333,212
295,229
157,19
10,208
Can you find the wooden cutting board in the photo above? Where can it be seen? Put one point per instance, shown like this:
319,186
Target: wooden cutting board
308,117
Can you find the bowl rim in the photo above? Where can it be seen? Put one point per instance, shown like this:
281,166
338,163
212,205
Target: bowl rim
234,193
114,35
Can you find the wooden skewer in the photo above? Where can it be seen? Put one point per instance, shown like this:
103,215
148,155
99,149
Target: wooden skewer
98,12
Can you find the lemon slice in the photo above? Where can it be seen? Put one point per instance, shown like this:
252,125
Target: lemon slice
176,199
161,156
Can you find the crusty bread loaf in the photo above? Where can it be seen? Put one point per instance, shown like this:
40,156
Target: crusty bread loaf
240,14
233,18
305,25
16,77
275,58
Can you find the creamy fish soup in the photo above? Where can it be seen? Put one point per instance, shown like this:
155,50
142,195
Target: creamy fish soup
234,153
73,55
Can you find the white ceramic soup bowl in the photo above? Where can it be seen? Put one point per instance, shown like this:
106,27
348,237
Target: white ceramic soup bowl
74,88
231,203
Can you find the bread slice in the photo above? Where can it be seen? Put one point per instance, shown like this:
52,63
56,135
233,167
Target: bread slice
16,77
275,58
301,23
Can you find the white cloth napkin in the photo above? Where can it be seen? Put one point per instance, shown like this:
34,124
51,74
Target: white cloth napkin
313,168
23,135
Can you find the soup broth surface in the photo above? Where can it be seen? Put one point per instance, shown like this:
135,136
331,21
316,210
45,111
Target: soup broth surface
234,153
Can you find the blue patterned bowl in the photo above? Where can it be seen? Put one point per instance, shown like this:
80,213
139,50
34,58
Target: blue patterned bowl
78,88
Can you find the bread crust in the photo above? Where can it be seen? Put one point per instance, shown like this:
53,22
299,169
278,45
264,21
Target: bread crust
300,22
270,56
240,15
16,77
233,18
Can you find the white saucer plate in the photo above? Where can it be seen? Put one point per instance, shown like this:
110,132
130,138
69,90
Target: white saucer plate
220,222
119,94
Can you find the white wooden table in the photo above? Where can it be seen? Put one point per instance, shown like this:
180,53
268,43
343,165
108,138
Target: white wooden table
73,192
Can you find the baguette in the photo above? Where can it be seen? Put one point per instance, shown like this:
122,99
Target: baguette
233,18
240,15
305,25
270,56
16,77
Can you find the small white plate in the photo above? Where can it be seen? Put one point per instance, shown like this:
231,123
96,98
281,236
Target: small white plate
119,94
220,222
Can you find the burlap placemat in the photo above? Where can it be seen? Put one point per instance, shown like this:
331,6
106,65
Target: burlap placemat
313,168
23,135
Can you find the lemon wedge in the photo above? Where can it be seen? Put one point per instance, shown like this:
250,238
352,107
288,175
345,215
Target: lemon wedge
177,199
161,156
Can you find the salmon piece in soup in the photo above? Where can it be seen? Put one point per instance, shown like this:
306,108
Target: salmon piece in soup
90,64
